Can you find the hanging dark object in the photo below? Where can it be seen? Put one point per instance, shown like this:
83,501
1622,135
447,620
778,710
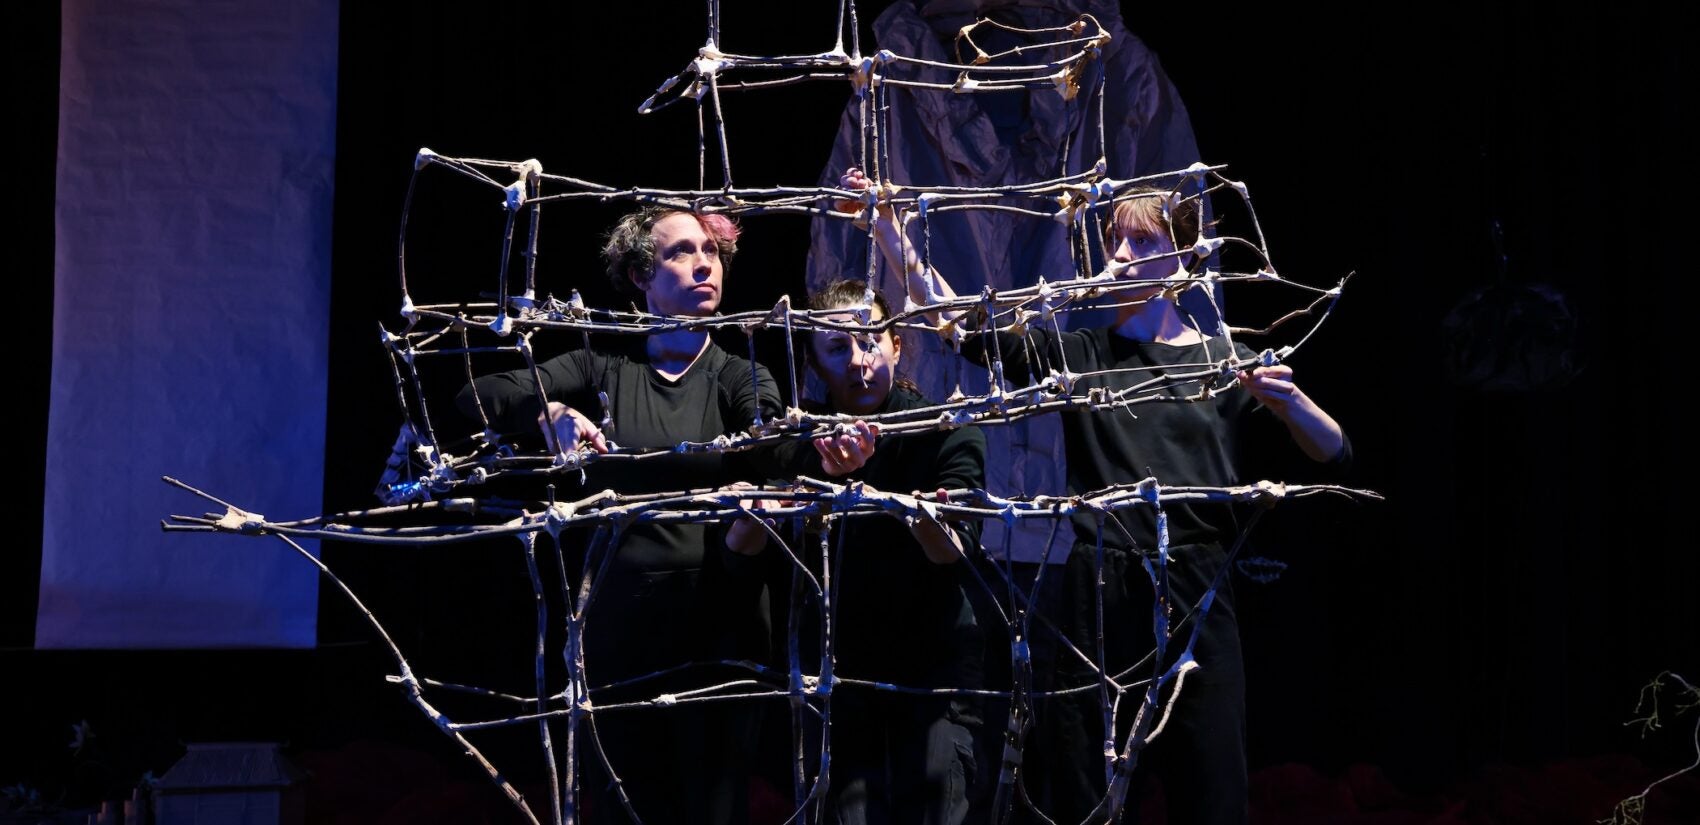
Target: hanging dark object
1511,337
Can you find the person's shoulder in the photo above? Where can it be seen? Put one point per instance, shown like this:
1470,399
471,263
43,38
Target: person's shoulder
907,398
1214,349
726,361
584,358
1086,342
1070,341
1244,351
604,349
1049,335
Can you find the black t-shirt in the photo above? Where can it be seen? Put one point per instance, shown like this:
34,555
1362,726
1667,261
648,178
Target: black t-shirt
671,593
1181,442
715,396
902,618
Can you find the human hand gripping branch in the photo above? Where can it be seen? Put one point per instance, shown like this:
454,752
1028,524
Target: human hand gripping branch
845,452
567,427
939,543
840,454
924,283
1313,429
747,536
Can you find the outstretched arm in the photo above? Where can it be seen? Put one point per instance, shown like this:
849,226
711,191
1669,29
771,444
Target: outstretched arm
1313,429
924,283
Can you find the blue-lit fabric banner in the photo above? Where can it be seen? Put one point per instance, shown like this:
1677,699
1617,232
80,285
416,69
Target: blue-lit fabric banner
190,319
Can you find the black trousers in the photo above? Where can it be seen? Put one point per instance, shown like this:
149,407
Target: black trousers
689,762
1200,754
684,764
900,759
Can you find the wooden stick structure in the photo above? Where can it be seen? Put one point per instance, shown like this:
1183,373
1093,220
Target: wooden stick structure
431,488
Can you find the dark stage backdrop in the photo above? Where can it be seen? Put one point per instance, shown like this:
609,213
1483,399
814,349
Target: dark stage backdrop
1515,401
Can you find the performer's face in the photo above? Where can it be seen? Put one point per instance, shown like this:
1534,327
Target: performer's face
687,275
858,368
1135,239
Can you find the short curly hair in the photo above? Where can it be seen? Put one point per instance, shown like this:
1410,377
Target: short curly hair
630,246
